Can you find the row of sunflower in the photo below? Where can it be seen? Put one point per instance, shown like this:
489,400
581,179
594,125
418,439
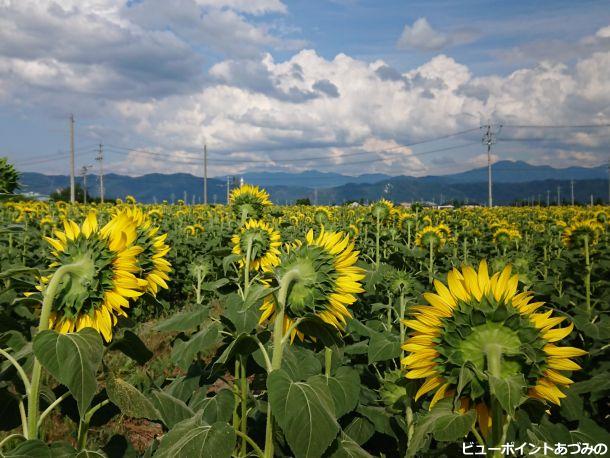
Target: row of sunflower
301,331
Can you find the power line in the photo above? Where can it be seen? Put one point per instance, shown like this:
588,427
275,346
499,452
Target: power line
558,126
358,153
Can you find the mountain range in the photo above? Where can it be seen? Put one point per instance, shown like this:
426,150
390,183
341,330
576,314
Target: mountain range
513,180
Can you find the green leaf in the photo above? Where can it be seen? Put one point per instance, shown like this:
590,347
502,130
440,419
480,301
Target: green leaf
129,399
28,449
346,447
590,432
360,430
184,351
172,410
344,388
443,422
90,454
509,391
216,408
184,321
73,359
131,345
383,347
244,344
300,363
572,406
323,332
379,417
243,318
193,437
304,411
452,427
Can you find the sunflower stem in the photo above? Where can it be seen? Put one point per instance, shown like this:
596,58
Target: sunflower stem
278,348
247,267
377,237
45,313
431,261
493,353
328,360
243,401
587,275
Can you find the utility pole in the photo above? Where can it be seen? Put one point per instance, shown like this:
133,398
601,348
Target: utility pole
205,174
572,191
228,189
84,171
100,159
72,195
548,198
315,196
489,139
558,196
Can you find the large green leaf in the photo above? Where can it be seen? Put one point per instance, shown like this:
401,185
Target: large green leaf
184,321
360,430
510,391
129,399
193,437
304,411
344,388
243,318
172,410
216,408
443,423
73,359
131,345
28,449
345,447
184,351
383,346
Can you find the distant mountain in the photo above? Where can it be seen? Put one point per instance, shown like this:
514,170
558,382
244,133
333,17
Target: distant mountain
521,172
146,188
285,187
309,179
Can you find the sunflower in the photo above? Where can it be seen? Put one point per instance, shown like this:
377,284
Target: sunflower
504,235
574,235
382,209
249,200
153,267
482,322
264,242
327,280
322,216
429,235
100,291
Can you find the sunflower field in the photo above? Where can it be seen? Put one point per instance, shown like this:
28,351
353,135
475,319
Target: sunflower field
255,330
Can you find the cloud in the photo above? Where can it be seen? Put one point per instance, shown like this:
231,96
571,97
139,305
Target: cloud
326,87
136,75
422,37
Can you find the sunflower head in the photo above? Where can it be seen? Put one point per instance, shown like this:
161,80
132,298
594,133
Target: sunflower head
482,324
430,236
322,216
153,267
601,217
382,209
264,242
504,236
574,236
249,200
97,292
326,280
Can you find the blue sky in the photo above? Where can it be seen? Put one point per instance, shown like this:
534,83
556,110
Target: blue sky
265,82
